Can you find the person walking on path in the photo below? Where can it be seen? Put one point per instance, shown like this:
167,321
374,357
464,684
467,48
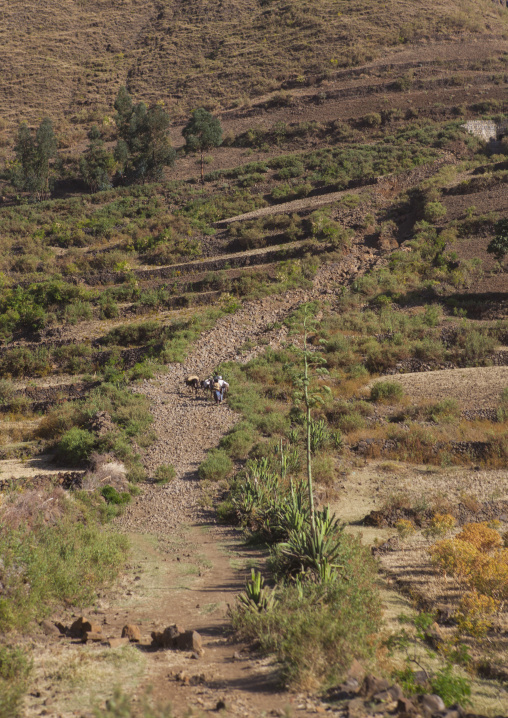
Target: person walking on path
217,390
223,385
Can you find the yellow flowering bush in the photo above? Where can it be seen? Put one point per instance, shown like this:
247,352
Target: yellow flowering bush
476,557
454,556
405,528
440,525
480,536
474,613
489,574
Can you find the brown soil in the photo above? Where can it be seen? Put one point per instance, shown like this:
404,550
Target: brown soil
473,388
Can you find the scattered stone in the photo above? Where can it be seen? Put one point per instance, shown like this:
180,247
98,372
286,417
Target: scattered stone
357,671
49,628
118,642
405,707
372,685
382,697
101,423
93,636
434,636
396,692
190,641
82,626
445,615
131,632
356,708
432,704
176,638
183,677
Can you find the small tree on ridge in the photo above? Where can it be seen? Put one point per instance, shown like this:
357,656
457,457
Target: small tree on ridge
498,246
143,148
96,165
202,132
32,169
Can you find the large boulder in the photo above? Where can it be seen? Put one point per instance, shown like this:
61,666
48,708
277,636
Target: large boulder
131,632
177,638
82,626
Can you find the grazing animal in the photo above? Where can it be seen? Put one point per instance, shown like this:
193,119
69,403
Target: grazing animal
193,381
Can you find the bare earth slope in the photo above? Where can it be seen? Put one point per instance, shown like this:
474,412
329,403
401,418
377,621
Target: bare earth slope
67,60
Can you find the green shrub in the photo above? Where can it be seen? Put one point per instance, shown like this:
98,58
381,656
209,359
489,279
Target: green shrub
444,412
6,391
112,496
48,565
386,391
477,346
226,512
75,446
434,211
15,669
136,472
373,119
502,412
350,421
239,441
216,466
498,246
164,473
323,469
317,630
451,687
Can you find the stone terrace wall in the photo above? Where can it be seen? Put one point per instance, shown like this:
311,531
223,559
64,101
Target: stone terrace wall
486,129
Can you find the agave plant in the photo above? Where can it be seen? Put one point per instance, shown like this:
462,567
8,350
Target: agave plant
257,597
313,551
319,434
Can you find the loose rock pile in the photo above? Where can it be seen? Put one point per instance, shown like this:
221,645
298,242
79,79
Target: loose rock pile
87,630
371,697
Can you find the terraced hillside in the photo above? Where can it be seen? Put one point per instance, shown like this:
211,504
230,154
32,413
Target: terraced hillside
69,60
346,190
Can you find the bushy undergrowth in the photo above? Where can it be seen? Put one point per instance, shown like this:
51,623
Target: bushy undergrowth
49,561
477,558
324,610
15,669
216,466
317,630
129,417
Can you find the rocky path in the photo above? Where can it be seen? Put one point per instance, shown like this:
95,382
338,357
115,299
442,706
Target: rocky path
184,568
175,518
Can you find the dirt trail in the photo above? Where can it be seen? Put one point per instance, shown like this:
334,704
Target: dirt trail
184,568
212,558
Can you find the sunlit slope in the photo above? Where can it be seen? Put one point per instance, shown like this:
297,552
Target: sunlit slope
67,58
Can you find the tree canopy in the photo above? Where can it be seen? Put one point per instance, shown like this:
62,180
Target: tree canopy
32,169
202,132
498,246
97,164
143,148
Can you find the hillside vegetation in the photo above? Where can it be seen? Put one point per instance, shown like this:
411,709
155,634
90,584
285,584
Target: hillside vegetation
340,221
68,60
